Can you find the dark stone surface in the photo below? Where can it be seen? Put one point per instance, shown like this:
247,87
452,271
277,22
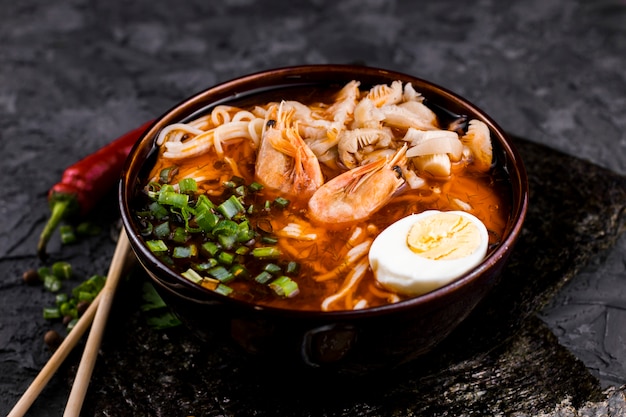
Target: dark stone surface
76,74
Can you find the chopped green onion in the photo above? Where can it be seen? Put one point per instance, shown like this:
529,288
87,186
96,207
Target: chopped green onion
264,277
162,230
187,186
233,182
242,250
192,276
51,313
240,191
52,283
172,198
285,287
244,232
67,234
60,299
225,258
71,324
223,289
180,235
158,211
293,268
272,269
266,252
269,239
62,270
211,248
281,202
226,227
185,251
156,246
205,266
222,274
227,241
239,271
255,186
88,229
204,204
231,207
207,220
86,295
166,174
68,309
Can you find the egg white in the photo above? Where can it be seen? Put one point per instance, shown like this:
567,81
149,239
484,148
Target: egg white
397,268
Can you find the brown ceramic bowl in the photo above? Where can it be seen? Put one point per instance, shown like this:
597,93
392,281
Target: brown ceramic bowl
345,342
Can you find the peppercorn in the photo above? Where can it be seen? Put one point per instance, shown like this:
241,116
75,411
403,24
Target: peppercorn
82,306
52,339
31,277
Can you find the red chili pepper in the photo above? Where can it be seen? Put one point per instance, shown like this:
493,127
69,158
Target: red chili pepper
84,183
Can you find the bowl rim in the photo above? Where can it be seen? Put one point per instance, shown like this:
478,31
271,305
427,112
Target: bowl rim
518,176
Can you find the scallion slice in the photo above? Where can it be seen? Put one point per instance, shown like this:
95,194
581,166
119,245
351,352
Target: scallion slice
187,186
264,277
158,211
272,268
162,230
221,274
285,287
211,248
281,202
182,252
223,289
156,246
231,207
172,198
266,252
192,276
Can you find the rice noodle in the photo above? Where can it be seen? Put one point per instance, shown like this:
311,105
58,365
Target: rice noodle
349,283
353,255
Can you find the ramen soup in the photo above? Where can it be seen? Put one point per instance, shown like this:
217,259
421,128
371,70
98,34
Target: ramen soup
325,200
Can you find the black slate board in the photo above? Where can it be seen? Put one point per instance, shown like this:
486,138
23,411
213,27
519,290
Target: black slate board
502,360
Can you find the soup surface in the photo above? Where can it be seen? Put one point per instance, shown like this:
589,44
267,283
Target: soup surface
277,200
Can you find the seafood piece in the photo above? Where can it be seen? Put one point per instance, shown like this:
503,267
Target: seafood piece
410,114
359,192
366,114
429,142
437,165
331,121
384,95
409,94
478,141
284,161
354,145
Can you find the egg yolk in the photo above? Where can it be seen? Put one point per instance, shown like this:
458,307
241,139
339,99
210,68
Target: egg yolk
443,236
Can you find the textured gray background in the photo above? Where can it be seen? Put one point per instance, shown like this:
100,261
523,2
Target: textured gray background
77,73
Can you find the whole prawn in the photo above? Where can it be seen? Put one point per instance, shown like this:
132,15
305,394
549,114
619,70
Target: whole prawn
359,192
284,161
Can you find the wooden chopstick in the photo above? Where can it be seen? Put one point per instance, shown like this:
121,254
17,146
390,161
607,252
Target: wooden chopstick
90,354
97,313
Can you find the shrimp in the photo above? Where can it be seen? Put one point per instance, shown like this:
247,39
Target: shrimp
478,140
284,161
359,192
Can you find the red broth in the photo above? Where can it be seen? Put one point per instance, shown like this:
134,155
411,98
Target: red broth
321,256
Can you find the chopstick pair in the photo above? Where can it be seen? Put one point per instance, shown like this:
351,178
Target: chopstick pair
97,313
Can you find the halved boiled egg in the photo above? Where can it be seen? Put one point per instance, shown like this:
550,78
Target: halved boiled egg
422,252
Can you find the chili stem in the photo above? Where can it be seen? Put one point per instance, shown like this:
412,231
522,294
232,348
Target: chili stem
59,209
